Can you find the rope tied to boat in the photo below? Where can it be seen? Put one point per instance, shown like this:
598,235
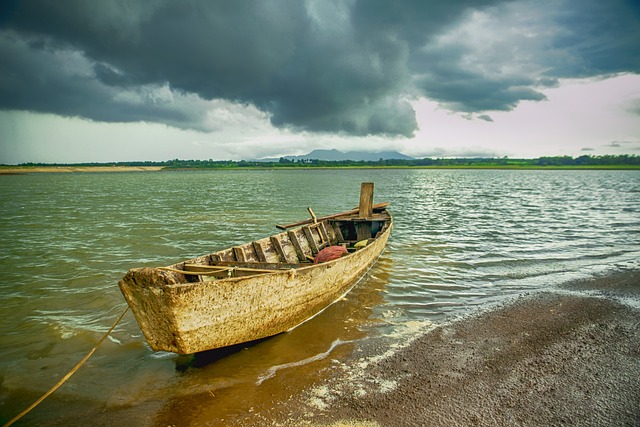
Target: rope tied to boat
69,374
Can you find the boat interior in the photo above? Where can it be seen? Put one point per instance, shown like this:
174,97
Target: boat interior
290,249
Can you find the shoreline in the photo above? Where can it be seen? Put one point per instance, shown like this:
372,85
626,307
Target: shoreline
564,356
20,170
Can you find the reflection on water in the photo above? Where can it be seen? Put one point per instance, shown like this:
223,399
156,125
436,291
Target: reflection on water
462,239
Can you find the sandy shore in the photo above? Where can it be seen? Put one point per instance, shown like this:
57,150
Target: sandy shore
565,357
12,170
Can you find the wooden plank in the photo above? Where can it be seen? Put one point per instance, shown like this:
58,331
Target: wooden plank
296,245
336,230
363,230
278,247
312,243
222,265
257,247
265,265
324,234
202,267
365,210
374,217
208,270
238,253
193,272
378,206
329,233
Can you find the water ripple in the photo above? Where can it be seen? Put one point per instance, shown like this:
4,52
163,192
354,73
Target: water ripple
462,239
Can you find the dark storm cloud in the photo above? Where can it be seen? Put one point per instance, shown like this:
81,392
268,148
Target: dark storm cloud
332,66
506,54
598,37
63,82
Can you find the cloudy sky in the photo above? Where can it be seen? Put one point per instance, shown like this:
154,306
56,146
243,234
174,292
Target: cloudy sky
118,80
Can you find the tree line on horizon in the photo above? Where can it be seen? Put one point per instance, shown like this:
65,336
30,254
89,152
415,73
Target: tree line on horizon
550,161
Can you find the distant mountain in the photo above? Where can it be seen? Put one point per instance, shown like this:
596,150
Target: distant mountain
335,155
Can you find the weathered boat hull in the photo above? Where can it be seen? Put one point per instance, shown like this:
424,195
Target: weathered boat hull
185,313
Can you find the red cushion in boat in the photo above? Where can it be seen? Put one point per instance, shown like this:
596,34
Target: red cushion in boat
329,253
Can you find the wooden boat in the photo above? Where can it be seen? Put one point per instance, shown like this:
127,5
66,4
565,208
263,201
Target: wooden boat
258,289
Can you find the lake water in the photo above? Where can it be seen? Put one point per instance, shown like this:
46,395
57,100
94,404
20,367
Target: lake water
463,240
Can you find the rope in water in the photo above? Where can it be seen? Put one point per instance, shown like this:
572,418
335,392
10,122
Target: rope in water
68,375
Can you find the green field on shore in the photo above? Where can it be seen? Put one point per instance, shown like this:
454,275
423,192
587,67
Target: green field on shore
562,162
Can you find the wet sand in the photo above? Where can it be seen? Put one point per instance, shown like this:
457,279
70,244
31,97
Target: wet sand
566,356
570,356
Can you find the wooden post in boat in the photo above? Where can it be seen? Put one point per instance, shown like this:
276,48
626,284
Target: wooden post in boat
365,211
366,200
313,216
